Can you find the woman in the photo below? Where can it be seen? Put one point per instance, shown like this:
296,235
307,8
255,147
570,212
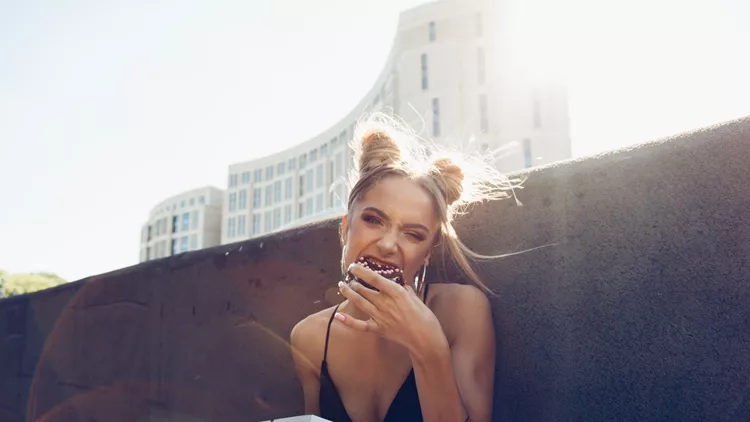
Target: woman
395,351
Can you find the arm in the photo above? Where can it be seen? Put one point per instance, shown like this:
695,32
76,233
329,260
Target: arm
306,371
473,352
460,378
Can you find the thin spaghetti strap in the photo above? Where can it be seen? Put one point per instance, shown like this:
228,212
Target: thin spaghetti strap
426,288
328,332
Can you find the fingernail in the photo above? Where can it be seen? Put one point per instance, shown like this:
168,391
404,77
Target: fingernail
341,284
352,265
339,316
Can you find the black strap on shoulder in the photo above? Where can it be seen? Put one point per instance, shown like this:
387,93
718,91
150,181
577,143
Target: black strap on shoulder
426,288
328,332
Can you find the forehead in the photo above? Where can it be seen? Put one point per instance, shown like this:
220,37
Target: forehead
401,199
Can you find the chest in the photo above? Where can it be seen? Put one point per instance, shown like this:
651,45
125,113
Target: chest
370,381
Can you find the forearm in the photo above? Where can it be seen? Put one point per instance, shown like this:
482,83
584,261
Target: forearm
436,383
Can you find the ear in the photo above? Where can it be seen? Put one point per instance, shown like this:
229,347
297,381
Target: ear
344,229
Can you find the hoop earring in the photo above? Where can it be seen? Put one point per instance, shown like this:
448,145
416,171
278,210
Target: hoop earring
421,280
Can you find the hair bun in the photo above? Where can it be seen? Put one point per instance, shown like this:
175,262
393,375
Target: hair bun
449,177
378,150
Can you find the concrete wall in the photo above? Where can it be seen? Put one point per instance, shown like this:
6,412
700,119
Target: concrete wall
641,312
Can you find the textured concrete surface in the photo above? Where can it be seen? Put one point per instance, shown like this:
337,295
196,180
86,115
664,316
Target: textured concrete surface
641,311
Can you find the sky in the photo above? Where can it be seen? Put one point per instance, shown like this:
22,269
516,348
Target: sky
107,108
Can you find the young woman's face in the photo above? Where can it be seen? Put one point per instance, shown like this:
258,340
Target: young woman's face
393,223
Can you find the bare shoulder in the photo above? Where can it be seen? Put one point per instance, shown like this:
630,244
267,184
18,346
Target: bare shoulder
458,306
457,296
308,338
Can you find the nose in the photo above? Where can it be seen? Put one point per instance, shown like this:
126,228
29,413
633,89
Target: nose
388,243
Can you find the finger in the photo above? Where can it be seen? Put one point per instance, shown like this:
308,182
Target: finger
357,300
368,326
371,295
410,291
374,279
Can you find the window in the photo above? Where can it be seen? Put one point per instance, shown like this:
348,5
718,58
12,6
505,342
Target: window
280,169
292,163
319,203
246,178
313,155
195,219
257,175
277,191
276,218
256,198
309,206
339,165
432,31
182,204
231,229
192,201
319,172
184,244
301,210
232,180
435,117
202,200
425,83
331,167
269,195
527,152
267,222
148,231
324,150
175,250
232,201
175,222
342,137
287,214
301,184
269,172
193,242
186,221
480,66
256,223
309,180
288,188
242,200
537,114
480,26
483,122
302,161
241,225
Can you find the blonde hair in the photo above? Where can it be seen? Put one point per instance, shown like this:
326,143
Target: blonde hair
385,147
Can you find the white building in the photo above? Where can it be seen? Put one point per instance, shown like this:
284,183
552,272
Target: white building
185,222
450,70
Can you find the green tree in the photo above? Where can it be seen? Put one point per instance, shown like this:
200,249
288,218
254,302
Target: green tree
19,283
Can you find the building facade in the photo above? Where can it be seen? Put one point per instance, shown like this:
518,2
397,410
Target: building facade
185,222
450,72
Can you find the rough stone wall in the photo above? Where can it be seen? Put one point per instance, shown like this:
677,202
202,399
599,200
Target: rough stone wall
640,310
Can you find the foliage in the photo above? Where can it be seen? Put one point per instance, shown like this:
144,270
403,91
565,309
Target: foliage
19,283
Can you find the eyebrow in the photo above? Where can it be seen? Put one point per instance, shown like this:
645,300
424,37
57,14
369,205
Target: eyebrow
385,216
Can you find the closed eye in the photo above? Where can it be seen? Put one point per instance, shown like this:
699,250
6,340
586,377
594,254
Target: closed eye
416,236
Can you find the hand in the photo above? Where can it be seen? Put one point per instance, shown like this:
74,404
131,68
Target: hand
396,312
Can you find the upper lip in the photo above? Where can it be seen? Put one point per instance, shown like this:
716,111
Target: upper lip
381,261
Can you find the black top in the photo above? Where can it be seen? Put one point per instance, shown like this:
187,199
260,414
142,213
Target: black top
404,407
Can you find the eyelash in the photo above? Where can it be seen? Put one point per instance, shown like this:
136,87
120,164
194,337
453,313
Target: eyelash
374,220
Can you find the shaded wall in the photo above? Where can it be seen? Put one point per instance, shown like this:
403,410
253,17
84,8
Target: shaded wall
640,312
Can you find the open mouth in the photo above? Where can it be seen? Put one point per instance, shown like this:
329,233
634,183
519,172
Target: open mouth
388,271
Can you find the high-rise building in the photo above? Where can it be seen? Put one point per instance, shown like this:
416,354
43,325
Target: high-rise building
185,222
450,72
